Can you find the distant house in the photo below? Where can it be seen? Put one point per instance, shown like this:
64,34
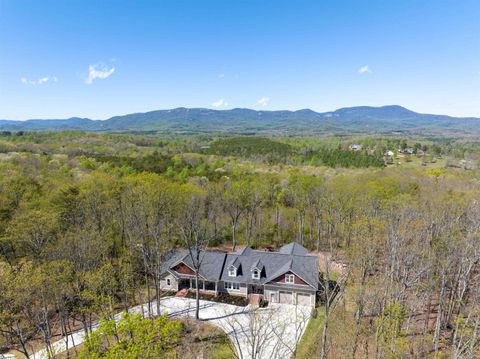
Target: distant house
408,151
289,276
468,164
354,147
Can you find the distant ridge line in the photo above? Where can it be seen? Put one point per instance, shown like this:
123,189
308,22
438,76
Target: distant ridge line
358,119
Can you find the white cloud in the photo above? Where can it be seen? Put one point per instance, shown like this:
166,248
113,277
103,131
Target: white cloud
97,72
221,76
263,101
364,70
220,103
40,81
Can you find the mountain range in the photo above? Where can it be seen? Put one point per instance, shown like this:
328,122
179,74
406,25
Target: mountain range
391,119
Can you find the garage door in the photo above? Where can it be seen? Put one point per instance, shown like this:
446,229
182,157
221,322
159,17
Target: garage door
286,297
304,299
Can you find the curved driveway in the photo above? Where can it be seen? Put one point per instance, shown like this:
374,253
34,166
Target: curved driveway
257,333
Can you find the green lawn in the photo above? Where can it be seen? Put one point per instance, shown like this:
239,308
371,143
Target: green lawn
223,349
310,342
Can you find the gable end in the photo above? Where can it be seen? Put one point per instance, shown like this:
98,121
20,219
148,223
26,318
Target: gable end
182,268
281,279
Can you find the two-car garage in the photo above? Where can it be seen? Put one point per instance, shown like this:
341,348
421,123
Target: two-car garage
304,299
285,297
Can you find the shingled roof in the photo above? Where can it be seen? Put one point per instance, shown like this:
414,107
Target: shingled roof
294,248
211,262
290,258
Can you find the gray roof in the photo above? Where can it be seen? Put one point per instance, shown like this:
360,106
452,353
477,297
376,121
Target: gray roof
294,248
257,264
234,262
211,262
244,251
291,258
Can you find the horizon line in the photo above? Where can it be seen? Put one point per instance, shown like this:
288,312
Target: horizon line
232,109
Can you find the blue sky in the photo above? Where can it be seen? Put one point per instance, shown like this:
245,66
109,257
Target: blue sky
102,58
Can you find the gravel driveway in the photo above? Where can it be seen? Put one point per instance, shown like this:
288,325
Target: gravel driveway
257,333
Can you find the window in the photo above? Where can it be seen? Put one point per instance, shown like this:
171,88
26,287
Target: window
210,286
232,285
168,282
289,278
232,272
256,274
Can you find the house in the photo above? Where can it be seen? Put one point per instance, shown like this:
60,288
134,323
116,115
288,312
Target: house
288,276
354,147
408,151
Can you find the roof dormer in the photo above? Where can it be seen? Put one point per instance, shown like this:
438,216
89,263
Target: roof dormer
232,271
257,269
234,267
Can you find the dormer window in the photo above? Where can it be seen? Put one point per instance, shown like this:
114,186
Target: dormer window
255,274
232,271
290,279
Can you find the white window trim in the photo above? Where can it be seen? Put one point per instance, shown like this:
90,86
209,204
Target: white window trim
232,271
290,278
232,285
273,297
255,274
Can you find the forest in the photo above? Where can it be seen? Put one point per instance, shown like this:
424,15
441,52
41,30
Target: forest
87,218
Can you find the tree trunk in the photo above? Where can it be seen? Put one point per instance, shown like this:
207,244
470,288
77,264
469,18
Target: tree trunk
438,324
234,235
23,342
149,303
319,232
197,297
277,223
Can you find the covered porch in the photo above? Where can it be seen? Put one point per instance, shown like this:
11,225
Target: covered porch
205,286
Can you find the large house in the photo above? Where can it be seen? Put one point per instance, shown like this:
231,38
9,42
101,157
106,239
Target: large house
289,276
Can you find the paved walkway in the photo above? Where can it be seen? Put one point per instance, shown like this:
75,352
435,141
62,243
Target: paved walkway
265,333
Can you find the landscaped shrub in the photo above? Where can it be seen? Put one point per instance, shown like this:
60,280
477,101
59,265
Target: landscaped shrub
263,303
168,293
220,298
231,299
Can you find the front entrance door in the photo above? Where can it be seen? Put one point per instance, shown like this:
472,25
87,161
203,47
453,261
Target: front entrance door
256,289
184,283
